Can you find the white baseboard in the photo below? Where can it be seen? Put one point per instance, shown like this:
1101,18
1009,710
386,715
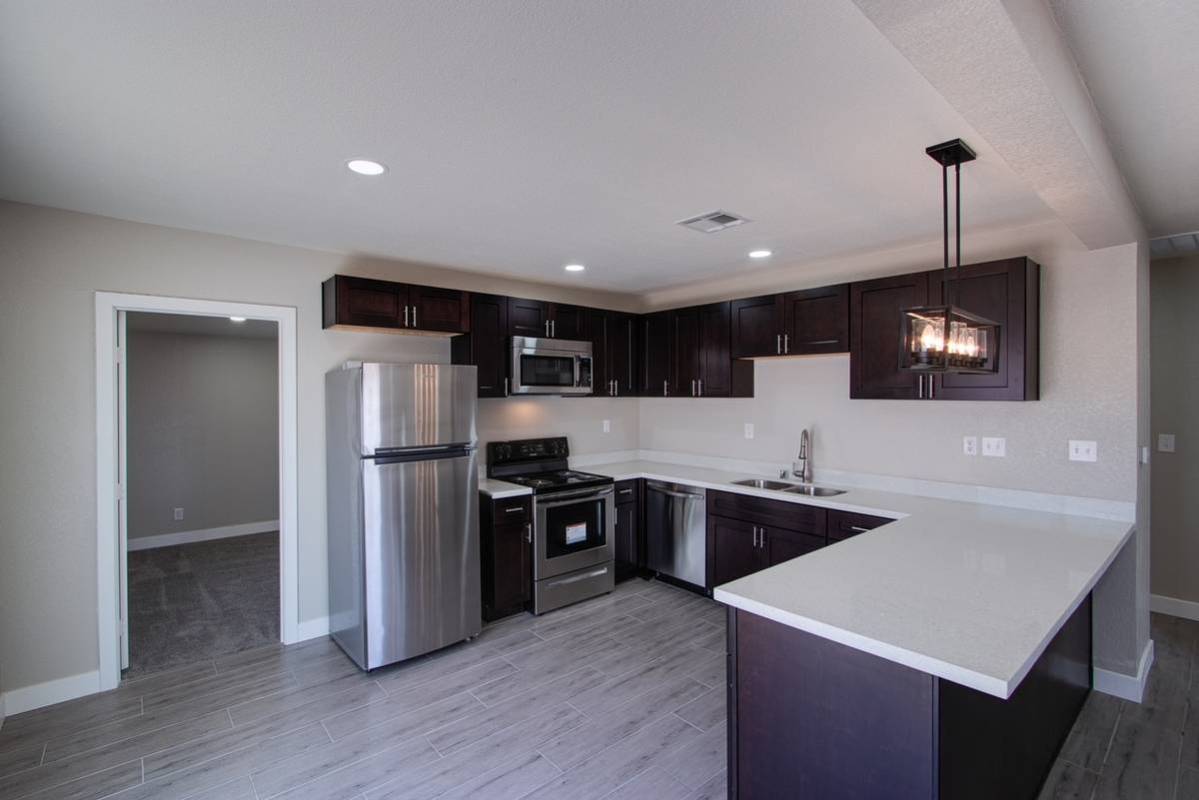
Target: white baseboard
1187,609
203,535
311,629
27,698
1126,687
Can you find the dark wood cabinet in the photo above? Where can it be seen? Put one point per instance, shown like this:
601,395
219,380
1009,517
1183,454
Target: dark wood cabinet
657,355
875,339
612,335
757,326
506,555
568,322
779,544
771,513
746,533
486,346
1007,292
845,524
703,366
528,317
630,539
816,321
366,302
733,550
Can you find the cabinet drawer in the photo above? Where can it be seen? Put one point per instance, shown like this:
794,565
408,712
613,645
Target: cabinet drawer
777,513
513,510
626,492
844,524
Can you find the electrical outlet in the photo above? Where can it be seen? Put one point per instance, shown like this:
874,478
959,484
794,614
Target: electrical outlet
1165,442
749,430
994,446
607,426
970,445
178,514
1084,450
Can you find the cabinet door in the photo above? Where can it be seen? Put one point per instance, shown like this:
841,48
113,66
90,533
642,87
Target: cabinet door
783,545
817,320
1006,291
436,309
757,326
630,550
620,352
845,524
528,317
568,322
715,362
686,352
597,334
733,548
656,355
486,346
513,569
875,341
363,301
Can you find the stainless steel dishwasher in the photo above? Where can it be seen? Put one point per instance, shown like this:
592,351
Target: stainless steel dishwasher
676,531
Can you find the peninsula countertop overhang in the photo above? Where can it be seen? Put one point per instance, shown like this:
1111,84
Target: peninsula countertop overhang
969,592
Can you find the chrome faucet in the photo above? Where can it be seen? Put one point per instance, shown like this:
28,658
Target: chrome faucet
802,467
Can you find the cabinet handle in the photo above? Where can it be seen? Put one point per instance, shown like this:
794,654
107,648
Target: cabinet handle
932,387
514,509
625,491
856,528
693,387
920,387
414,316
778,344
529,532
405,316
823,341
616,388
505,387
786,343
664,392
701,387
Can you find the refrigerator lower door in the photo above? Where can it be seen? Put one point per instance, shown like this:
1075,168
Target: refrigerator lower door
420,555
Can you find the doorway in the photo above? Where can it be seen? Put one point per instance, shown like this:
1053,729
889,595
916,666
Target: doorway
113,501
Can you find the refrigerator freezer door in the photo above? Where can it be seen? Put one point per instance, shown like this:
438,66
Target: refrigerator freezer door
417,405
421,555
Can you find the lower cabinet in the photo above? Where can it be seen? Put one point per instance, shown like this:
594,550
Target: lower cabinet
732,550
844,524
630,538
506,555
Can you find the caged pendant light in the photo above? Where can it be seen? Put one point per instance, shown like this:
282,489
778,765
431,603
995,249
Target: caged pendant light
946,338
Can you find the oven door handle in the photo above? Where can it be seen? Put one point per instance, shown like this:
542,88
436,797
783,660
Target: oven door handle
574,497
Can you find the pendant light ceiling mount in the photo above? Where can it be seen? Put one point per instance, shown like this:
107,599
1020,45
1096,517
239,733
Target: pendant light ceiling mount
945,338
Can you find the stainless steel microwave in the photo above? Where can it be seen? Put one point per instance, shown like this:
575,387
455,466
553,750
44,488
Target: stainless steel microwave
550,366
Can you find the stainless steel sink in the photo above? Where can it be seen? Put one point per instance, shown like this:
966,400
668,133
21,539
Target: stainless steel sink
763,483
813,491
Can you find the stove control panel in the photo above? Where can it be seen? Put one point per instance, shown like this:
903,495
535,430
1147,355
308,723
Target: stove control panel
521,450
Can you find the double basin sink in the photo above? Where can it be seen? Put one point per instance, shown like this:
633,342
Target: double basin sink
810,489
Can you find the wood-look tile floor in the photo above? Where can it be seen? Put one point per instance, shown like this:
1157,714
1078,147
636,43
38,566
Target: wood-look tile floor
617,697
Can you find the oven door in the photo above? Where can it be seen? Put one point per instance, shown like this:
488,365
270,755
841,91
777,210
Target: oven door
574,530
548,366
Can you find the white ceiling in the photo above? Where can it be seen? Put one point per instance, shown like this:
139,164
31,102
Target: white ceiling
1141,65
520,136
199,325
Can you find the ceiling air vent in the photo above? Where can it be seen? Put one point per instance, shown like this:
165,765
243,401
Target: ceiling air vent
712,221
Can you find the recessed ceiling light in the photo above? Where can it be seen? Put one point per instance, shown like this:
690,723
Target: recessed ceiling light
760,253
237,319
364,166
574,268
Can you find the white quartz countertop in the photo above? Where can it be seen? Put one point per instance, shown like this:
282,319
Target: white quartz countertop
498,490
969,592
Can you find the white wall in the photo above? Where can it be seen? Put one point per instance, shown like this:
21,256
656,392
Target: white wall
1175,291
203,431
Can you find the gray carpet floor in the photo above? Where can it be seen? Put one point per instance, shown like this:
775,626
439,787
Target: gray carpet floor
192,602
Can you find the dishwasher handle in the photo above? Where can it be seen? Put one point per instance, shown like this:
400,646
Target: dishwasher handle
661,489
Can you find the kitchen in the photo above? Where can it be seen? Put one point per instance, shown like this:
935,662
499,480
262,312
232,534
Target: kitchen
948,528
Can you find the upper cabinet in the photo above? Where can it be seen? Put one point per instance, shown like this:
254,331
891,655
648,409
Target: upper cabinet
614,352
656,351
1006,291
546,320
703,366
816,321
486,346
757,326
373,303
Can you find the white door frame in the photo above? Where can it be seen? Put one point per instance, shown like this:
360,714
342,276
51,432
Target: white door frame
108,491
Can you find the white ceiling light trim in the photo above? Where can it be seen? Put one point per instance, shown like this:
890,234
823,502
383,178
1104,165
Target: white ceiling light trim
574,268
364,166
761,253
237,319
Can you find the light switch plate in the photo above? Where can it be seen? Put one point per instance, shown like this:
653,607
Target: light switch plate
994,446
178,514
607,426
749,430
1165,442
1084,450
970,445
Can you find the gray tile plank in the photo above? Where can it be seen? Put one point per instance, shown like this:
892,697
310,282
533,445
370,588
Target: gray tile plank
439,665
610,725
653,784
1165,699
696,761
1188,784
715,789
531,675
220,697
236,789
706,711
390,721
711,673
620,763
282,656
1067,781
622,688
359,776
481,757
96,785
509,781
20,758
354,690
1142,762
1088,741
69,769
35,727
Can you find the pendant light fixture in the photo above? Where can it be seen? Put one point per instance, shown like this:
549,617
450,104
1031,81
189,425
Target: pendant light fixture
946,338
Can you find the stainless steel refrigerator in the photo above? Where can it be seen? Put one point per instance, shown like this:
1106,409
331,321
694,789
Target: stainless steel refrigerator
403,509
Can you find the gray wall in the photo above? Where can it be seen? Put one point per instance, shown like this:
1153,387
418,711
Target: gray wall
1175,292
203,420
